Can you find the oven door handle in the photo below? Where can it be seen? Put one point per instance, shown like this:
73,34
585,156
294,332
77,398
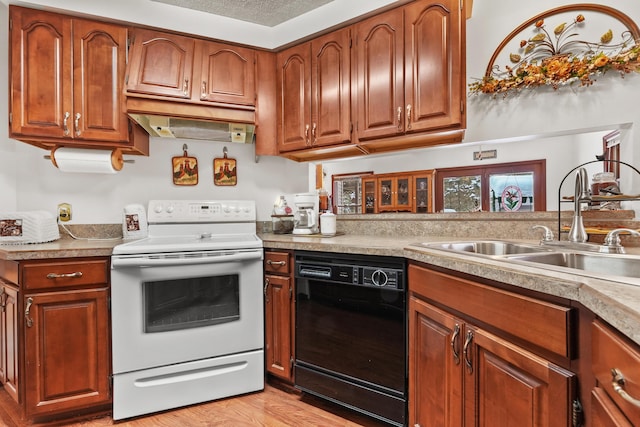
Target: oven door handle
146,261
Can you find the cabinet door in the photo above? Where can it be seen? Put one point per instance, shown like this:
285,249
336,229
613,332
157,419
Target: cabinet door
604,412
294,90
395,193
161,64
422,193
227,74
369,195
9,339
67,354
435,366
41,74
278,294
434,66
100,60
331,89
379,74
507,383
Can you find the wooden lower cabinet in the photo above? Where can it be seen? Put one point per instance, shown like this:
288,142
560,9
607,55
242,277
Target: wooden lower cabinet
279,314
460,374
616,366
67,360
9,339
56,345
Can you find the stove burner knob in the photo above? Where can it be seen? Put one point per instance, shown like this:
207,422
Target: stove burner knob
226,209
169,209
158,209
238,210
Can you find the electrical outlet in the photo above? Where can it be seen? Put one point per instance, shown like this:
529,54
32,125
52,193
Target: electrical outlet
64,212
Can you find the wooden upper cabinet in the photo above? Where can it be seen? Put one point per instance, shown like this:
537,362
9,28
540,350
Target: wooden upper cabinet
410,70
185,68
66,77
294,90
161,64
227,74
379,73
314,86
434,65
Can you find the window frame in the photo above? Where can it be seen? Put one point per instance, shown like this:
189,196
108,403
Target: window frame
538,167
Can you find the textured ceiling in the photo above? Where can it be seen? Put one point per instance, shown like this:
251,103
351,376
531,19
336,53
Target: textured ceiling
264,12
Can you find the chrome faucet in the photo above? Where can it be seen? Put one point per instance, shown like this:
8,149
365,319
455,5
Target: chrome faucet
577,233
612,242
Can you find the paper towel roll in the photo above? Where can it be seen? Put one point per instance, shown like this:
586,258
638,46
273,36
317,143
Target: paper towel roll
87,160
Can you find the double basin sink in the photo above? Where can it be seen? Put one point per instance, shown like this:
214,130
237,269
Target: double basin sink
554,258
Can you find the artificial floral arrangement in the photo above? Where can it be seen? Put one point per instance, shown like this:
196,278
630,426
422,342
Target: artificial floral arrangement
559,59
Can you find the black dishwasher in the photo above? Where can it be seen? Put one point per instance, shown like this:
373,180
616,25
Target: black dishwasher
351,332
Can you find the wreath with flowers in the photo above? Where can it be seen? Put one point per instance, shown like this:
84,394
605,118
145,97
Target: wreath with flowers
556,58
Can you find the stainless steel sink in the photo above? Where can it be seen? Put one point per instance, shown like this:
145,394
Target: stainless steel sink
488,247
616,265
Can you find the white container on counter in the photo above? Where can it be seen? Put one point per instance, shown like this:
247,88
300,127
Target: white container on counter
328,224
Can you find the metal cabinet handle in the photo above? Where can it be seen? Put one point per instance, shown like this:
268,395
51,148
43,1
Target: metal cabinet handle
399,118
77,124
27,312
466,352
455,344
618,386
313,134
65,124
185,88
64,275
282,263
306,134
203,90
409,116
266,286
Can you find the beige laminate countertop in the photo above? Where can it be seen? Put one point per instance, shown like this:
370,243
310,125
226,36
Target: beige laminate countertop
615,300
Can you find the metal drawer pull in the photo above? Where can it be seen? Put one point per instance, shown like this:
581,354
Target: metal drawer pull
27,311
269,262
455,346
618,384
64,275
465,352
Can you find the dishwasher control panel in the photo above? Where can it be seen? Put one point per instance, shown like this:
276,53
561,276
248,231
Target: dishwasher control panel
370,271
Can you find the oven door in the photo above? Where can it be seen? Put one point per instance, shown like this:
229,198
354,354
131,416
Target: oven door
173,308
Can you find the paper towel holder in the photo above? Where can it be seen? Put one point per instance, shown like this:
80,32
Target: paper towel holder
117,160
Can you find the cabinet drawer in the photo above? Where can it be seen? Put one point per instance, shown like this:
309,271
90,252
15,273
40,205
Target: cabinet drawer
277,263
540,323
610,351
64,274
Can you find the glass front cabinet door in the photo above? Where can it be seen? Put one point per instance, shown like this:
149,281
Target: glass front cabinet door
395,193
423,192
369,204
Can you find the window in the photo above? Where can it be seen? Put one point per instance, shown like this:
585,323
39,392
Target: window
507,187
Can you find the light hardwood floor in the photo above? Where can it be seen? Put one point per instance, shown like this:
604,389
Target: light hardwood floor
274,407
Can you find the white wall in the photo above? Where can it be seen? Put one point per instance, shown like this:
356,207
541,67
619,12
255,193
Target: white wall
29,182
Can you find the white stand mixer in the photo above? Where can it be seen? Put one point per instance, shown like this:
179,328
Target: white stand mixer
305,219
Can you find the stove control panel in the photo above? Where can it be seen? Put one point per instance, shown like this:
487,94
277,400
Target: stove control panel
194,211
